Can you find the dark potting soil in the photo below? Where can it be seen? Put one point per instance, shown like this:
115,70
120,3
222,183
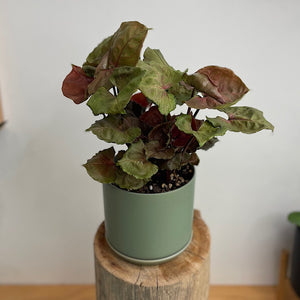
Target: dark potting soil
164,181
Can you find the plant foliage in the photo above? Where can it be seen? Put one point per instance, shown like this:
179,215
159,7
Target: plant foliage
135,100
294,218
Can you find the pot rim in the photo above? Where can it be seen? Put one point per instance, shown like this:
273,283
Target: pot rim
155,194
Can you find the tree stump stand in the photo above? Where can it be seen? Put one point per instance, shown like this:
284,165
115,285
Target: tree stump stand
285,290
184,277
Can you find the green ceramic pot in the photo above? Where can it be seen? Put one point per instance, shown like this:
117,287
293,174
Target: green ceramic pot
148,228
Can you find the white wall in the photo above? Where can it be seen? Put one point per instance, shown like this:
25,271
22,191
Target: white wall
246,185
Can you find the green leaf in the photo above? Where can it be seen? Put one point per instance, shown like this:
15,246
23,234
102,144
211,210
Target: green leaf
103,102
206,131
101,76
182,92
220,86
155,150
97,58
97,54
129,182
121,49
134,162
101,166
158,79
154,55
127,43
242,119
184,123
294,217
128,78
116,129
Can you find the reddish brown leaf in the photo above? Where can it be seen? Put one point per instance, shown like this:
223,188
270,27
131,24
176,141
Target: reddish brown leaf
140,99
218,85
101,166
123,49
102,75
152,117
155,150
229,85
179,138
75,85
203,102
196,123
160,133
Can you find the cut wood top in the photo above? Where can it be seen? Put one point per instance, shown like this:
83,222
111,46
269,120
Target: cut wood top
178,269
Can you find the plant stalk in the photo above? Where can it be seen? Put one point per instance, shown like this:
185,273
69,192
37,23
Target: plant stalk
196,113
192,95
115,91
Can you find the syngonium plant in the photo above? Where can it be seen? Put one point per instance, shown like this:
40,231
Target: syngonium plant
136,99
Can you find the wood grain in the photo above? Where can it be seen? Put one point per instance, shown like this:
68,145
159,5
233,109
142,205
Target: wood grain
242,293
88,292
47,292
285,290
184,277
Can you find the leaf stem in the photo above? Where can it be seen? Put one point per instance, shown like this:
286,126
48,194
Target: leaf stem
196,113
188,144
115,91
192,95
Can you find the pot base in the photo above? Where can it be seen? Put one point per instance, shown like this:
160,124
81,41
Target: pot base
155,261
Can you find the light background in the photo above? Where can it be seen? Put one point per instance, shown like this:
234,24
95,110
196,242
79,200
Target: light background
246,184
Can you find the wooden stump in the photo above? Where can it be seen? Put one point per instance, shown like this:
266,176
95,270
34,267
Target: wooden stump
184,277
285,290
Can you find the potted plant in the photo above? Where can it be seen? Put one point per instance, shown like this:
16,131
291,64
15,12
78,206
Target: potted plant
148,186
294,218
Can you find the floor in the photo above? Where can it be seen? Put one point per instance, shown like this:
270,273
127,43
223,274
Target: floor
87,292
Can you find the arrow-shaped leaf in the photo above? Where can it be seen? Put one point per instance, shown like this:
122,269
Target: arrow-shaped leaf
128,182
134,162
116,129
101,166
75,85
104,102
127,43
159,77
154,56
242,119
206,131
97,54
121,49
